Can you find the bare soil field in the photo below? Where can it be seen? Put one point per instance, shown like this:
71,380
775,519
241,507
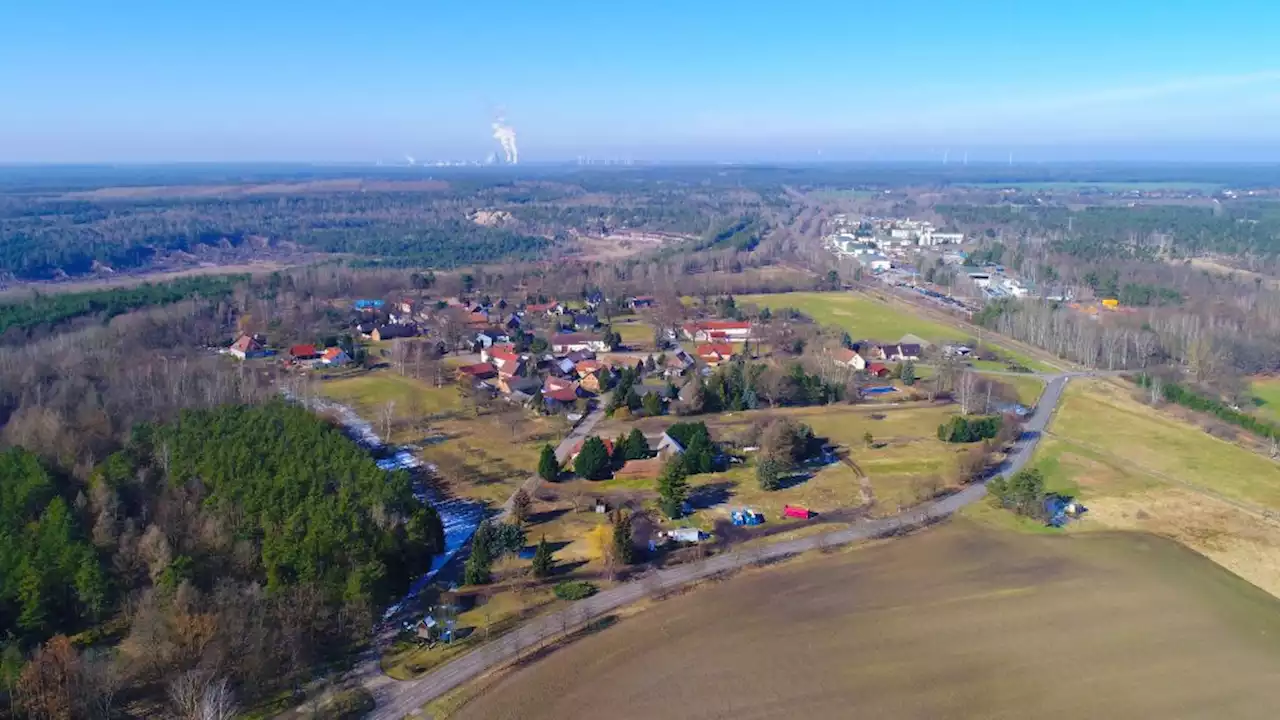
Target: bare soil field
959,621
622,244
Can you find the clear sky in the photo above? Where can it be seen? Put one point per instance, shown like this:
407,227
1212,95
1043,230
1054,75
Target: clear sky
230,80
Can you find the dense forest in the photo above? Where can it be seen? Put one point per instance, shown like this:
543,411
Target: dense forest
225,515
1141,232
472,218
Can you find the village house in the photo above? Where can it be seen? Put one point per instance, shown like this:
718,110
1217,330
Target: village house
335,356
715,353
506,361
876,369
849,358
899,352
391,332
585,322
577,449
593,383
489,337
563,367
550,308
303,353
520,388
569,342
587,367
478,371
718,330
246,346
678,363
559,400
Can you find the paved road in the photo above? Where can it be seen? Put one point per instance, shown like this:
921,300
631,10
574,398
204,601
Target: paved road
396,700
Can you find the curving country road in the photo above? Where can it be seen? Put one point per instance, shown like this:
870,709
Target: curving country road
397,699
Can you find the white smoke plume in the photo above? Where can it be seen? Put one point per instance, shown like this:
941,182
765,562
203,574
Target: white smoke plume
506,136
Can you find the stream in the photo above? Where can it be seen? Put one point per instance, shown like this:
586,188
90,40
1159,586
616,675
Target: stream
459,517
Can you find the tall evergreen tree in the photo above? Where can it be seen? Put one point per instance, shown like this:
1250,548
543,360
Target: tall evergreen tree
592,462
637,445
548,465
673,490
543,559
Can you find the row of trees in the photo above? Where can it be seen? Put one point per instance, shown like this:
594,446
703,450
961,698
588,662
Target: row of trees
18,319
960,429
1179,394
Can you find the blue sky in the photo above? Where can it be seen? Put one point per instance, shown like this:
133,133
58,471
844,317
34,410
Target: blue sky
850,79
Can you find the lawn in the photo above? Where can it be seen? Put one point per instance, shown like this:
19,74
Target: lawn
862,317
636,333
906,449
1102,415
932,625
865,318
481,453
1266,393
369,393
1029,387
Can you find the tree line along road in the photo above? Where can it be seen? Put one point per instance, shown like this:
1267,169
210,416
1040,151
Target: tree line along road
398,699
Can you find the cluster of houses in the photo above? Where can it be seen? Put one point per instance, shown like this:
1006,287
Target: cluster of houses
717,339
558,380
870,357
247,347
663,447
490,323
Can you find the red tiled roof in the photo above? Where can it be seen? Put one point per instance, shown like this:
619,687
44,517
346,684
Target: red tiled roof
710,350
331,353
876,368
303,351
553,384
608,446
245,343
566,395
542,307
478,370
588,366
844,355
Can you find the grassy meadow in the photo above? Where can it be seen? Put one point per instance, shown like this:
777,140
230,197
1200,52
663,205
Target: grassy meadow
1137,468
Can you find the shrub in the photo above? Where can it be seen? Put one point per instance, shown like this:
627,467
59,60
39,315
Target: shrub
574,590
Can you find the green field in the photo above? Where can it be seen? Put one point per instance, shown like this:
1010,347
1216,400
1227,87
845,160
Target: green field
1103,416
636,333
863,318
958,621
1029,387
370,392
1266,393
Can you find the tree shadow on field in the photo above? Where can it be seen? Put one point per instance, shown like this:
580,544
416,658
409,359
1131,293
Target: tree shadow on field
547,516
793,480
705,496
